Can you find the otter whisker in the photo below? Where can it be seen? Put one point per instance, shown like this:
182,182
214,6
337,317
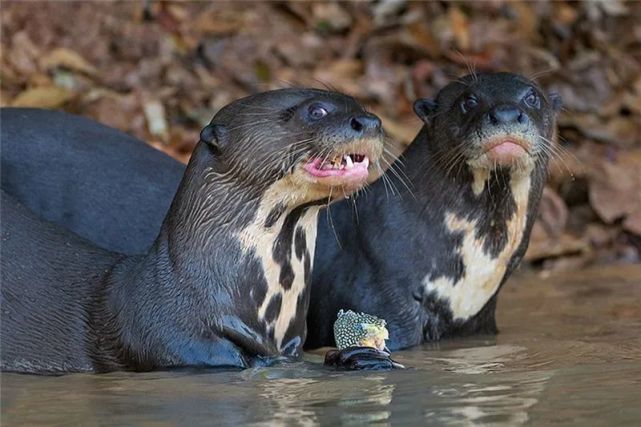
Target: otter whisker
396,161
354,205
399,172
388,187
384,179
330,220
557,151
392,186
392,168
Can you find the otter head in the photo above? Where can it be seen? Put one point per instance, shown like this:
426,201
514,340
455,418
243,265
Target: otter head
491,121
318,144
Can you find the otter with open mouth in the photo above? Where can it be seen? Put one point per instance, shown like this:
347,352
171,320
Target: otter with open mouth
226,282
431,260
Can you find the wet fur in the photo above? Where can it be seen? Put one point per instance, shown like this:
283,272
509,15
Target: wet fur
72,171
204,293
432,259
383,257
71,307
389,244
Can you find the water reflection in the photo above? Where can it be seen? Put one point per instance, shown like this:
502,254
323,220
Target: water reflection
502,402
337,398
568,353
478,360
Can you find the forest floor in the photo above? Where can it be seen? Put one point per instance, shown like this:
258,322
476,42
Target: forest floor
160,70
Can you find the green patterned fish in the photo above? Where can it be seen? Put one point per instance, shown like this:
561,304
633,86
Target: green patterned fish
359,330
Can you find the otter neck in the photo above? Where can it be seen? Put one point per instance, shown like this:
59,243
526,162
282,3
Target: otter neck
487,214
476,192
213,201
282,238
223,237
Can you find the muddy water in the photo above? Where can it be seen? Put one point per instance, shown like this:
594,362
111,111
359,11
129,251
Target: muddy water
569,353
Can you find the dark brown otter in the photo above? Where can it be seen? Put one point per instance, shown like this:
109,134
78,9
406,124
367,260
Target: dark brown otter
226,282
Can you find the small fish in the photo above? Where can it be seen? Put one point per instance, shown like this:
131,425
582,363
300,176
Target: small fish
359,330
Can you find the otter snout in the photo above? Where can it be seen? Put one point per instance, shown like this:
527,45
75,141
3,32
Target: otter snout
366,124
502,115
507,140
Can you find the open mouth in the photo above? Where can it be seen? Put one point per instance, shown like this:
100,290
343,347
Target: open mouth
341,169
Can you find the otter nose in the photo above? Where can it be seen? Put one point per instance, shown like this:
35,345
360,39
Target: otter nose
506,114
365,122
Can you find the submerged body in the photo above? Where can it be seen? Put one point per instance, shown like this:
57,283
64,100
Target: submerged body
226,281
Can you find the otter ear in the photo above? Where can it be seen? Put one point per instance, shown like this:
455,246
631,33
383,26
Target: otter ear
214,136
424,108
556,101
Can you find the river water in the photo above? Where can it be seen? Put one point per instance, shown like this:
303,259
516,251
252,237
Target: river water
569,353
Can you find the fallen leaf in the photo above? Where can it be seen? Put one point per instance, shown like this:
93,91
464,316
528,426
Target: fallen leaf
155,115
460,28
42,97
66,58
615,190
632,222
542,246
553,214
330,17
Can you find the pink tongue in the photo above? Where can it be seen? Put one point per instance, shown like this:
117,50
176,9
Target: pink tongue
506,152
358,172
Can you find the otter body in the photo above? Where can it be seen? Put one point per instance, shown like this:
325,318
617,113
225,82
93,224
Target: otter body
429,259
226,281
74,172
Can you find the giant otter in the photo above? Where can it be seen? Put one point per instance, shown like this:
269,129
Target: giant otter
430,259
225,282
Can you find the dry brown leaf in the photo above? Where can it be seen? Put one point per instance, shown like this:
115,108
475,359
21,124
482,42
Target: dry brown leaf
155,115
42,97
66,58
331,16
23,53
112,109
615,188
542,246
219,22
460,28
527,22
632,222
553,214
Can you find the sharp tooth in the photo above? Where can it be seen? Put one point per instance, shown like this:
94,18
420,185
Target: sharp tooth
348,161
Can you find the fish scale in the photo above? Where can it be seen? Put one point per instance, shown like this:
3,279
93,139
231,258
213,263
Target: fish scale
353,329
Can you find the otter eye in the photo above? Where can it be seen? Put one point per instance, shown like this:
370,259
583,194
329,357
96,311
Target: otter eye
317,112
469,103
532,100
